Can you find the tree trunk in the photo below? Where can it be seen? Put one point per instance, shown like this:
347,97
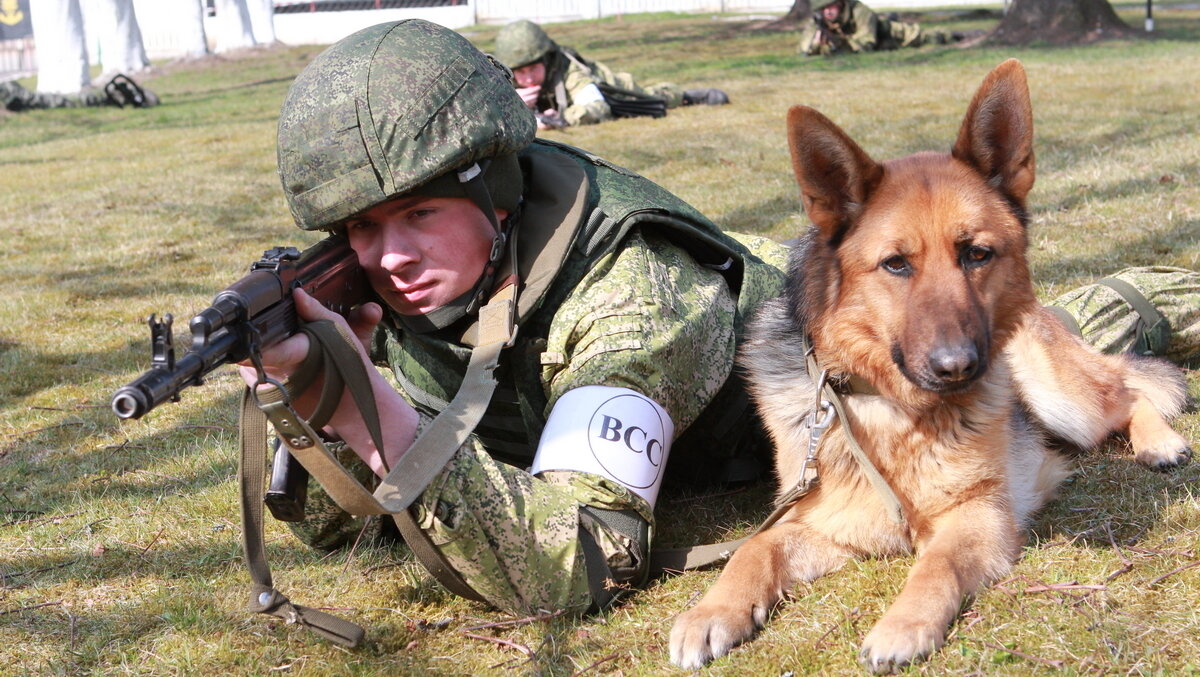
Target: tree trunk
1058,22
61,47
262,21
234,30
801,11
120,36
192,36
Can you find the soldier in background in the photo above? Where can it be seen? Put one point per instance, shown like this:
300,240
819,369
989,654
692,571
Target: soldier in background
849,26
563,88
120,91
418,148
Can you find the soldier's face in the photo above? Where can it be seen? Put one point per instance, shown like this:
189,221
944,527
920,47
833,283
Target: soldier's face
831,12
532,75
420,253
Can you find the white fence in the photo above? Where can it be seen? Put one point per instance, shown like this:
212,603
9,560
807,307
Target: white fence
503,11
167,34
327,27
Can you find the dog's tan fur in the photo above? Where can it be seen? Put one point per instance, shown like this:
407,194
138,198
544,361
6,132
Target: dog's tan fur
914,279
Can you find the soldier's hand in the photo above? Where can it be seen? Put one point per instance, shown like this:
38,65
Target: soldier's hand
281,360
550,119
530,95
398,420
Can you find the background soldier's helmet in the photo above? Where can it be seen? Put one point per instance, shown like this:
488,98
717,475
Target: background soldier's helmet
388,109
521,43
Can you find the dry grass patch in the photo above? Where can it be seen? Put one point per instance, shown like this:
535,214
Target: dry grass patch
120,541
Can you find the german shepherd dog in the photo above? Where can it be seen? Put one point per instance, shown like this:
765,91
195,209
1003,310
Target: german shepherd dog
912,288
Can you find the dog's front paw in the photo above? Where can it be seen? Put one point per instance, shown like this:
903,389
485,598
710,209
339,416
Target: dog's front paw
1166,454
895,643
709,631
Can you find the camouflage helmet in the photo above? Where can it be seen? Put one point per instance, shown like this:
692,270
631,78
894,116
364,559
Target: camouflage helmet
818,5
387,109
521,43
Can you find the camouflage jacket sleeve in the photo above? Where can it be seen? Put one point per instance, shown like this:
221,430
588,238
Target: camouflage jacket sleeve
584,105
865,24
810,42
647,318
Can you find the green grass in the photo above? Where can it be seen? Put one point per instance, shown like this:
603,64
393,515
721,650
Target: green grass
120,540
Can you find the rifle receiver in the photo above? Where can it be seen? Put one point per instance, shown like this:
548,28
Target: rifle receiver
259,306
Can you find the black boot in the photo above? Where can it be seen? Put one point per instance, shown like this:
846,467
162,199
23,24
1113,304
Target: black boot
704,97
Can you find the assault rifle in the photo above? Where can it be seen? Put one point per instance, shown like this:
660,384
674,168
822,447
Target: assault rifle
831,35
251,314
551,121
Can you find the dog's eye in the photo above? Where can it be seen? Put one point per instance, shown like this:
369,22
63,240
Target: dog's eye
976,256
896,265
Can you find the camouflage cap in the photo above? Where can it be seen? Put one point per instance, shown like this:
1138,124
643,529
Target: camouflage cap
521,43
388,109
818,5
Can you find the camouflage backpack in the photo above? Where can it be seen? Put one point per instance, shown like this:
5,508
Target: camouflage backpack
1152,310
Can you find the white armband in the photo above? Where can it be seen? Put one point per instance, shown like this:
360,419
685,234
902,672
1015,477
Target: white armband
587,94
613,432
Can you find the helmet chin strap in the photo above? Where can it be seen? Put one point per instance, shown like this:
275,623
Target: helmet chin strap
469,303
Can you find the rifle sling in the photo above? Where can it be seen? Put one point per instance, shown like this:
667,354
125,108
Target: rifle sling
416,469
264,598
345,489
692,557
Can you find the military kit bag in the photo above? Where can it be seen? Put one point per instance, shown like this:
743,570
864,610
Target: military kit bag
123,91
626,103
1151,310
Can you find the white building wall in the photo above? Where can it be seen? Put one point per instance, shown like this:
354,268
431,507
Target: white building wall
547,11
168,34
320,28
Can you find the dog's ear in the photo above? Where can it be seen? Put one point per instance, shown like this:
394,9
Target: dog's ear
835,175
996,136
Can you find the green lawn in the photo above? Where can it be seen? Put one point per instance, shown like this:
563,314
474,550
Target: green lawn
121,540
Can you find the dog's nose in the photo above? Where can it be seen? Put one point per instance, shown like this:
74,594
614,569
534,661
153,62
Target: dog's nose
951,364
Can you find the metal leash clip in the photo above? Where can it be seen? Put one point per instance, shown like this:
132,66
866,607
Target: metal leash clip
817,421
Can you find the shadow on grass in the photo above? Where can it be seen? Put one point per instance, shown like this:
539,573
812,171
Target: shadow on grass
764,216
54,467
1061,154
38,371
1149,185
143,596
1153,247
1112,500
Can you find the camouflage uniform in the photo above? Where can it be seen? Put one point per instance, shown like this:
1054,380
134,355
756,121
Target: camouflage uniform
1107,321
572,73
860,29
569,76
17,98
629,307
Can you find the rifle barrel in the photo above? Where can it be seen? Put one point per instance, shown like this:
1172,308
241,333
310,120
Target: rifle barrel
159,383
255,310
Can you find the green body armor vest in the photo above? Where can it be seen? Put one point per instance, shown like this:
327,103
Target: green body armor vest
578,209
